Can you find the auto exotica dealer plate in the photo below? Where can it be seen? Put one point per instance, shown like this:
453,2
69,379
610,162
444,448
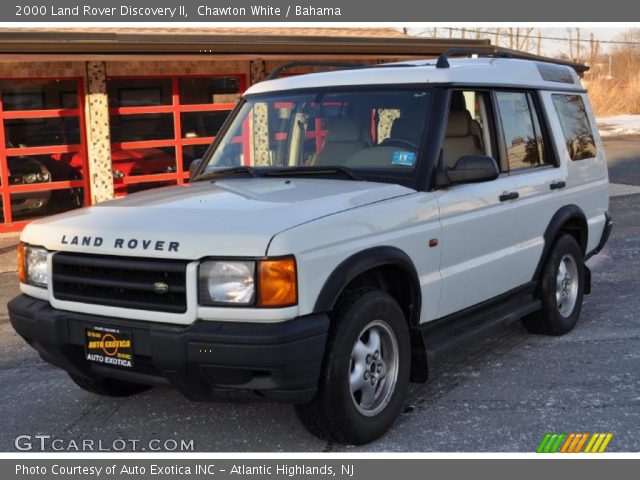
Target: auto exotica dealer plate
109,346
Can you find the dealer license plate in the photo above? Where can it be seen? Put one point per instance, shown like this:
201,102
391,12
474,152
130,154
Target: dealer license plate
109,346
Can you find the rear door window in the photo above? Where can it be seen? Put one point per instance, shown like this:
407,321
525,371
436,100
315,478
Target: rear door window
521,130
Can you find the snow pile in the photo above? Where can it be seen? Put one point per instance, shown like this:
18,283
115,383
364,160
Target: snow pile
619,125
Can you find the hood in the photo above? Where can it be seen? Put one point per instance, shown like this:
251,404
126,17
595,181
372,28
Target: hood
234,217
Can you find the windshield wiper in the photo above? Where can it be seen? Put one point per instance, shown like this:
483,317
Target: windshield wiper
228,171
302,171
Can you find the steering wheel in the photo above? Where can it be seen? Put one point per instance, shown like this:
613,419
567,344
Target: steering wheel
398,142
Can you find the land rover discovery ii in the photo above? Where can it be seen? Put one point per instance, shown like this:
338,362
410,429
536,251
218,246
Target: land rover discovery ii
344,229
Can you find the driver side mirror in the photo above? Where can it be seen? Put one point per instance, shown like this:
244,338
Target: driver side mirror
193,167
472,169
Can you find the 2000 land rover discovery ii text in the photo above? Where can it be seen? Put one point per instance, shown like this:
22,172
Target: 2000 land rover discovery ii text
344,229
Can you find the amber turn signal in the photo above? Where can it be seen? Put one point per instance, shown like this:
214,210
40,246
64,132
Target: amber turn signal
277,282
22,272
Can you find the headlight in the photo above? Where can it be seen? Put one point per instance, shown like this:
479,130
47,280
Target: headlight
264,283
227,282
32,265
30,178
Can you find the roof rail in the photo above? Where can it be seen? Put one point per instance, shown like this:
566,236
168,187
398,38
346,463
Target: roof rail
338,65
443,59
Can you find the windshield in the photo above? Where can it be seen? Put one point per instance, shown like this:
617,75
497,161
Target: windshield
355,131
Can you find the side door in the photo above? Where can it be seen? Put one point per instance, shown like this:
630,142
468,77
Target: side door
540,177
479,223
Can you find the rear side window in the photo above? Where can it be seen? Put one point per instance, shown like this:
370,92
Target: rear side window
577,131
521,129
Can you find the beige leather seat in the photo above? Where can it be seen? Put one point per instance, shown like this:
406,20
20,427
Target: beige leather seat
458,103
344,138
460,139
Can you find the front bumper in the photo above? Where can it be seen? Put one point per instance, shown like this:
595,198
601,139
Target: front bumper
204,361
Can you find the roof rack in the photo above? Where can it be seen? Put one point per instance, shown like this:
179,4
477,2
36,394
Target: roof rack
443,59
338,65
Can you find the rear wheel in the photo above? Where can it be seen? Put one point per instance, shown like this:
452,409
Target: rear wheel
365,373
561,290
109,387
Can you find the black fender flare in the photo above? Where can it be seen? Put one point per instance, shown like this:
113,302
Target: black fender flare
370,259
362,262
560,219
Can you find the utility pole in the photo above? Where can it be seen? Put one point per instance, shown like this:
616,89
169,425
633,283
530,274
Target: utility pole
539,43
571,45
497,40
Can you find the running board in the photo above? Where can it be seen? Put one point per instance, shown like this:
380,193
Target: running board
449,333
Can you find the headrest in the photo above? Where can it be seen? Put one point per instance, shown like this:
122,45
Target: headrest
457,100
458,124
407,128
344,130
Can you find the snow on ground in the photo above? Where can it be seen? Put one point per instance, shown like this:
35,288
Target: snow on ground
619,125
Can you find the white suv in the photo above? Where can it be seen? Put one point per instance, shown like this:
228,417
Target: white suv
344,229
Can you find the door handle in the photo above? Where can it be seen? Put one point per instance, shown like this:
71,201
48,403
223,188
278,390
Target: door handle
509,196
557,185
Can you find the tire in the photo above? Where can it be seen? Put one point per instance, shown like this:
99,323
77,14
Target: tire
109,387
563,272
335,413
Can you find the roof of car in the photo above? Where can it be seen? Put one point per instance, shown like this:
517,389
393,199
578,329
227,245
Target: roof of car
507,72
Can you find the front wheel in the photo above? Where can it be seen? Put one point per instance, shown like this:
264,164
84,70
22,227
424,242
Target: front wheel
561,290
365,372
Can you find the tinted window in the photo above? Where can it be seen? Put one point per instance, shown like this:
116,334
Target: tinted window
577,131
521,130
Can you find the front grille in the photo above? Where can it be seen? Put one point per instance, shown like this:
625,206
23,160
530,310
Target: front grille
126,282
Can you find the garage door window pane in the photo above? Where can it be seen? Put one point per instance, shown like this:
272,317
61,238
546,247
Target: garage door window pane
38,94
139,92
133,128
209,90
30,205
45,168
202,124
37,132
191,153
131,162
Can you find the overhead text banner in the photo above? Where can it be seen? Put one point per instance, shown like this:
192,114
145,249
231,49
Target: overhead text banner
288,11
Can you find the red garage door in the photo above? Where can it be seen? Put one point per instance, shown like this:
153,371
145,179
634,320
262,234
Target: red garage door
159,125
42,149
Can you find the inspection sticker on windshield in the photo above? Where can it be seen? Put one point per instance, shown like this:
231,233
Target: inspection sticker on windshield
404,158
